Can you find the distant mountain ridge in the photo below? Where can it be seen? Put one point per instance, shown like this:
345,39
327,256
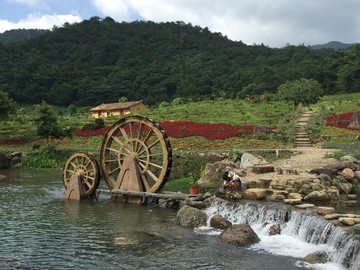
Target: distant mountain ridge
16,35
335,45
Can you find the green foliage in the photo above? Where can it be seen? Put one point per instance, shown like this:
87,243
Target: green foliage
89,63
188,164
302,91
47,123
7,106
177,185
123,99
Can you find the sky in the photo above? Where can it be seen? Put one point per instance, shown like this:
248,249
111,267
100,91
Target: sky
274,23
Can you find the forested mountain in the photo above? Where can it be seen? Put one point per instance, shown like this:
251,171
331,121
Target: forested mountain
100,60
335,45
20,34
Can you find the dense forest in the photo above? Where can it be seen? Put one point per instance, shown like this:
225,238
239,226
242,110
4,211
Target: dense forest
100,60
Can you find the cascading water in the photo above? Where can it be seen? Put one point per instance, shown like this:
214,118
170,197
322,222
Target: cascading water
301,234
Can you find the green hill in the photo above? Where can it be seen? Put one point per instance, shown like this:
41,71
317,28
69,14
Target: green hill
100,60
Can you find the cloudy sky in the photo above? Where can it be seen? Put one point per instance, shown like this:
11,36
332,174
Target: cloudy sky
272,22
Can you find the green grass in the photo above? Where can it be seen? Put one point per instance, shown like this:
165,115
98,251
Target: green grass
339,103
177,185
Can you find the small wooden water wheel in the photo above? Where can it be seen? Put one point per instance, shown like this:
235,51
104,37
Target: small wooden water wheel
85,166
136,155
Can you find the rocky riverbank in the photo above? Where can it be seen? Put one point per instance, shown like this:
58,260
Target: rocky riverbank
308,180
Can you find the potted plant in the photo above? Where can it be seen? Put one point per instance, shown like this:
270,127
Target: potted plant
194,188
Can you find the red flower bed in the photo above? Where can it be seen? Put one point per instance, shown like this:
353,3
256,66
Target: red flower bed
180,129
341,120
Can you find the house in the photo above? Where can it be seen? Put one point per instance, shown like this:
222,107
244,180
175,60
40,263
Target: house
118,109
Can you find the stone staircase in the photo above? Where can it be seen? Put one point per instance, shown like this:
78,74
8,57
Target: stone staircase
302,138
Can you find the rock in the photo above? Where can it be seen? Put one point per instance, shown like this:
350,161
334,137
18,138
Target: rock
249,160
348,173
356,228
349,221
292,201
4,162
219,222
257,193
265,183
305,206
357,175
325,210
324,177
333,193
295,196
317,257
259,169
328,171
274,229
345,188
332,216
276,198
2,177
352,196
191,217
240,235
317,196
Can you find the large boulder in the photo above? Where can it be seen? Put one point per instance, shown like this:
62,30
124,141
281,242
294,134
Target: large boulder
317,257
188,216
248,160
317,195
219,222
240,235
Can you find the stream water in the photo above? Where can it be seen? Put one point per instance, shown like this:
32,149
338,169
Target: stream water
41,230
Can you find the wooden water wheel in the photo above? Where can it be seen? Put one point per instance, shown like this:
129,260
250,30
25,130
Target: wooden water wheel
86,167
136,155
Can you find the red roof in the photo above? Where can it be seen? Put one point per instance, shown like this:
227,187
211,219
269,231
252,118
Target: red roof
115,106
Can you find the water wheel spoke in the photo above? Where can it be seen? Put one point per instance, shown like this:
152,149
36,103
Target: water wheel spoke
145,182
111,160
87,183
117,140
113,150
148,135
150,163
154,143
114,170
140,130
152,175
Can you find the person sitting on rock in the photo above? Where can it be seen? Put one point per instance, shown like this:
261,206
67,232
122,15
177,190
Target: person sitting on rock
231,181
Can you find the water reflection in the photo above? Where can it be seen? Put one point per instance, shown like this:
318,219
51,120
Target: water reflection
40,230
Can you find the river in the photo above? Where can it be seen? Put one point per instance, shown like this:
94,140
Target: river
41,230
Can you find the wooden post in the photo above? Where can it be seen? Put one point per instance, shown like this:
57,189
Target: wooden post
75,189
129,178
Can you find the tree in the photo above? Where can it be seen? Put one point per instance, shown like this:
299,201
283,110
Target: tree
7,106
305,91
47,123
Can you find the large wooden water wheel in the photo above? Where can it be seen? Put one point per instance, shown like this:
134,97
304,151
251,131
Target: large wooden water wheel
136,155
86,167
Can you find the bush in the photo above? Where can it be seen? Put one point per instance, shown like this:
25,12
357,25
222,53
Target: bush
187,164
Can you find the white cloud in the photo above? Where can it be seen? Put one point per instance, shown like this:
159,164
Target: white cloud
116,9
36,21
273,23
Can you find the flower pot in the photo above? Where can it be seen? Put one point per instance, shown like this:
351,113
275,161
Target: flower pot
194,190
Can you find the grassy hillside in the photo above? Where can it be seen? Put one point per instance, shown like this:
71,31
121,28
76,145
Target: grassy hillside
235,112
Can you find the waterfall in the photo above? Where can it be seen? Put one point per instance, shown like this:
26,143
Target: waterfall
297,229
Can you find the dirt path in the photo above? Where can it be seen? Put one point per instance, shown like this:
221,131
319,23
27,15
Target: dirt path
305,159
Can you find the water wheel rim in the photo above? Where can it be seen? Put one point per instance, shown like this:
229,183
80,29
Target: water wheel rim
86,166
144,140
